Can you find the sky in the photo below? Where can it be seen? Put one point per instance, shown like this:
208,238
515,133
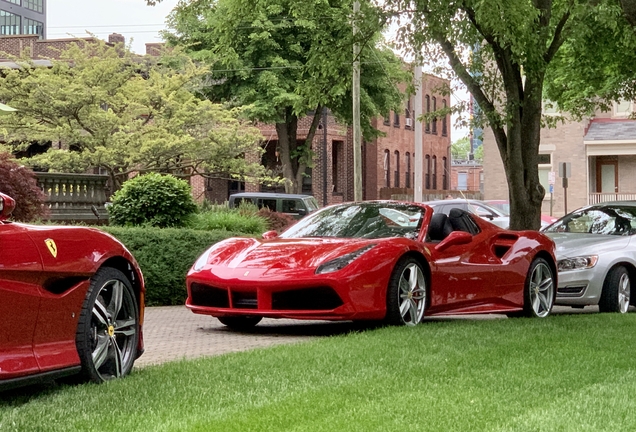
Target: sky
136,21
131,18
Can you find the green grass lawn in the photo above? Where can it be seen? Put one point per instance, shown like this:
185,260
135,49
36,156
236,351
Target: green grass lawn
565,373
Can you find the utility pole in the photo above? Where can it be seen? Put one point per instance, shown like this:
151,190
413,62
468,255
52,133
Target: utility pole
419,150
357,136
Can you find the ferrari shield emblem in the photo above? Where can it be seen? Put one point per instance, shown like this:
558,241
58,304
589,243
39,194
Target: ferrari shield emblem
50,243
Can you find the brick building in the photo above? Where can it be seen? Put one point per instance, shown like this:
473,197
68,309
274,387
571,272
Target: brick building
23,17
601,153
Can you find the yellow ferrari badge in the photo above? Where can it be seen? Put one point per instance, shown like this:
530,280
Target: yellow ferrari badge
50,243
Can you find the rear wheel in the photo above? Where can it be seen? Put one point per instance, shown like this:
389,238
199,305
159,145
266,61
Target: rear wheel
108,327
616,292
240,322
540,289
406,294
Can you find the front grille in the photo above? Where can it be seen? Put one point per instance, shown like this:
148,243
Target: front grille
244,300
320,298
572,290
205,295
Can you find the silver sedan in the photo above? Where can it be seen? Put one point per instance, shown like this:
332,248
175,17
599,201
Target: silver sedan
596,256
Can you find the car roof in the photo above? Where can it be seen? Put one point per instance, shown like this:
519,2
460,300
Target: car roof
268,195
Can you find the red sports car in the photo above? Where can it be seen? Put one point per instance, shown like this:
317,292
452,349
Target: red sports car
71,302
376,260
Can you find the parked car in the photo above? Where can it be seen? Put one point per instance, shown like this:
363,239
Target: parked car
480,208
293,204
504,207
375,260
596,253
71,302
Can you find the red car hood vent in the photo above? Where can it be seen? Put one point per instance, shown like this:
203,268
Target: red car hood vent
284,253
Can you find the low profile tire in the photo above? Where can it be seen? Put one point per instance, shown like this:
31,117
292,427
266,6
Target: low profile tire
240,323
406,294
616,292
540,290
108,327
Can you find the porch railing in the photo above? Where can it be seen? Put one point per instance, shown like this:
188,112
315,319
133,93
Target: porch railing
598,197
75,197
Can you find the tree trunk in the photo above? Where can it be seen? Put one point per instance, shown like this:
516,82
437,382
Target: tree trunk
287,147
295,158
519,149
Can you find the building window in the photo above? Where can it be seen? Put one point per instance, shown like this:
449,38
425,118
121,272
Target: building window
545,166
396,119
427,128
337,165
14,1
434,173
387,119
434,119
623,108
408,121
397,169
32,27
9,23
427,171
34,5
387,169
445,174
444,123
407,177
462,181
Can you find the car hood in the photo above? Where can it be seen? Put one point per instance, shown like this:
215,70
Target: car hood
281,254
572,244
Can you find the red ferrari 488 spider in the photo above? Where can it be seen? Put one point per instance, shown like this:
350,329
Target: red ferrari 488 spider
71,302
376,260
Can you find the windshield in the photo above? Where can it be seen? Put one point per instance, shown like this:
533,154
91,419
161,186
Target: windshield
606,220
311,204
361,220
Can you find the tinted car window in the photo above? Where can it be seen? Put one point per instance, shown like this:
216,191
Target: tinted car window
606,220
291,206
269,203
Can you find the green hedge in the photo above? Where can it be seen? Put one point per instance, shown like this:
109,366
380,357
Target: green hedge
165,255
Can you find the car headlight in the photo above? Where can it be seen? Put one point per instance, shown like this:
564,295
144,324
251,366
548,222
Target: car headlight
202,261
342,261
577,263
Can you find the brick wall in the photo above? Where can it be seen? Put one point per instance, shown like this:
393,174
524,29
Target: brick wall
40,49
401,138
564,144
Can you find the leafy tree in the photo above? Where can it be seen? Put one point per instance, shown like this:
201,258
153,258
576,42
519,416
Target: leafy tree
597,68
503,52
20,184
286,59
108,109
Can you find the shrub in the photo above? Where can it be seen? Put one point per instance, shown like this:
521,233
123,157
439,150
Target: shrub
229,220
20,184
152,199
165,256
276,221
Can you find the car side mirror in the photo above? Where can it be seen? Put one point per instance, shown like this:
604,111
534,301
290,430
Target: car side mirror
270,235
301,212
7,204
454,239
